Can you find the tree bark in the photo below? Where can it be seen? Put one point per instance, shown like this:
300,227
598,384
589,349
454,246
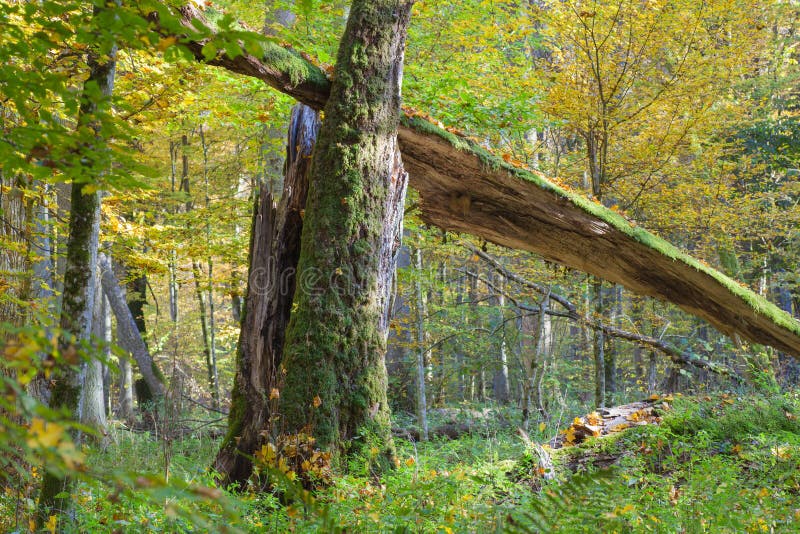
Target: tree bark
476,382
598,344
125,399
336,340
93,412
274,253
500,387
78,292
204,330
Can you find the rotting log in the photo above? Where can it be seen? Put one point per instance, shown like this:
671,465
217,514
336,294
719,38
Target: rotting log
464,188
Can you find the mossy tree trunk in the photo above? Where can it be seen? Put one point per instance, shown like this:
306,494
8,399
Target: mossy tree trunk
336,339
78,293
274,253
601,242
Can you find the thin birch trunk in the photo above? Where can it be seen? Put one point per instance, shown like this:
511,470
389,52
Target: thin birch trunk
422,352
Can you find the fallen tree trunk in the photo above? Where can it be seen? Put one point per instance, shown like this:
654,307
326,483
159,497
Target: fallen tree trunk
607,421
129,337
464,188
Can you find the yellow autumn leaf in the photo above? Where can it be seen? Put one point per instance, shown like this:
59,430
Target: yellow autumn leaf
44,434
625,509
88,189
50,526
166,42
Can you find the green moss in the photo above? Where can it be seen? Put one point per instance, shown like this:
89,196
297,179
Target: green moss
758,304
334,347
235,418
292,63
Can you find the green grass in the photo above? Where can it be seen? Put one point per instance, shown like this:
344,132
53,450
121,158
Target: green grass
716,465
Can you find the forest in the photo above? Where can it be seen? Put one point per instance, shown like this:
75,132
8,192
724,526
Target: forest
399,266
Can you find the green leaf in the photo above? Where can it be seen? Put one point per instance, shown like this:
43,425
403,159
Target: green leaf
209,50
307,8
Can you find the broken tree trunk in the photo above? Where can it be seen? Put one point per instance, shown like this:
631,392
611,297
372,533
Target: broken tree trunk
465,188
274,253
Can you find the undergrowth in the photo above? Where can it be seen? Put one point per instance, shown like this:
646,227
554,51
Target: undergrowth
716,464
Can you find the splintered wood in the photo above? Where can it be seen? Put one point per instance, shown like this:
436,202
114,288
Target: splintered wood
610,420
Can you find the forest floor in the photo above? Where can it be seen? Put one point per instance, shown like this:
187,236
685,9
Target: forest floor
719,463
